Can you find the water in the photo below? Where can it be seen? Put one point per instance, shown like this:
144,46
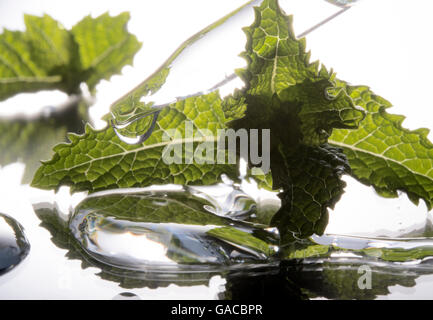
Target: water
342,3
14,246
169,231
314,273
142,238
194,69
121,129
226,199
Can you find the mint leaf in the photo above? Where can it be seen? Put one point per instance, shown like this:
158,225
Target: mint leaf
51,45
47,56
179,208
313,185
340,281
284,91
104,56
99,160
129,105
146,207
309,113
241,238
305,248
273,52
385,155
81,152
18,72
30,140
302,105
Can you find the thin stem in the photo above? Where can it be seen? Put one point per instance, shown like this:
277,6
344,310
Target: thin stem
303,34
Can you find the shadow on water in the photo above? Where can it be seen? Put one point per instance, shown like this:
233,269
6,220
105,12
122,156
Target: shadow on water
156,238
323,280
61,236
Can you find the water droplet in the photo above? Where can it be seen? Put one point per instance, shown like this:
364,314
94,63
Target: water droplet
14,246
126,296
172,230
137,129
343,3
226,200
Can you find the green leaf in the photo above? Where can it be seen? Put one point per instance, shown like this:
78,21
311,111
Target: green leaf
307,248
175,207
51,45
234,106
241,238
385,155
307,251
18,72
99,160
47,56
398,255
302,105
307,109
313,186
130,106
104,56
276,59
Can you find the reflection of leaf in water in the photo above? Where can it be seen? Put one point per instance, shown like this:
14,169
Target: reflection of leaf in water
144,164
62,238
340,281
182,208
295,280
272,284
175,207
425,232
325,276
29,142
